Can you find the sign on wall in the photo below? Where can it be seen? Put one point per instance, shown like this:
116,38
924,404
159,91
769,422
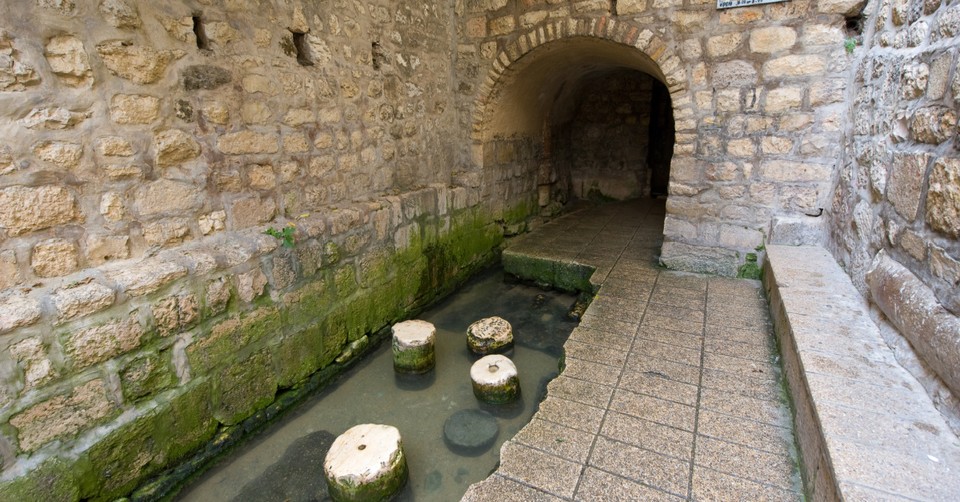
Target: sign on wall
729,4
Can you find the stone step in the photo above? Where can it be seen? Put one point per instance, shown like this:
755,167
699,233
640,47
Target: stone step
866,427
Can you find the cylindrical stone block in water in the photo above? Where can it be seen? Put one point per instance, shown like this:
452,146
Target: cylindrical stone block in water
490,335
366,463
413,346
495,379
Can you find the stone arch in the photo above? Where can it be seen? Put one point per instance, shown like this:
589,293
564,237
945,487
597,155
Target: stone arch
514,99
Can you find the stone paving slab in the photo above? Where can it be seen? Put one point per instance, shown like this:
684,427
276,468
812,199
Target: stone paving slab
670,389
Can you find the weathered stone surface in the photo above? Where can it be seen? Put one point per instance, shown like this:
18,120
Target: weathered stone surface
842,7
63,415
173,146
906,180
913,308
15,75
31,355
213,222
114,146
166,232
120,13
175,312
933,124
61,153
205,77
784,170
733,74
53,118
134,108
139,64
27,209
9,273
793,66
252,211
250,284
146,375
772,39
943,197
244,142
147,276
103,248
18,310
244,387
68,60
54,257
97,344
913,80
81,300
167,197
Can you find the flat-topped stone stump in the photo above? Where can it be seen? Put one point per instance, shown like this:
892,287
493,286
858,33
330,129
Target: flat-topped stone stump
490,335
366,463
495,379
413,343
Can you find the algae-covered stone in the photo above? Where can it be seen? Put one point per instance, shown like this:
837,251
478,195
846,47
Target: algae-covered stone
490,335
495,379
413,343
366,463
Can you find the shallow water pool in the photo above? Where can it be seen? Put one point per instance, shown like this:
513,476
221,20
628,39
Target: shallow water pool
285,462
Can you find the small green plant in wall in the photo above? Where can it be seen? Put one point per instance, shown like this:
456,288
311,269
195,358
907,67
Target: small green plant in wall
850,43
284,235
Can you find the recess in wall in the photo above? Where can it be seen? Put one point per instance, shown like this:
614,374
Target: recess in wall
303,52
202,42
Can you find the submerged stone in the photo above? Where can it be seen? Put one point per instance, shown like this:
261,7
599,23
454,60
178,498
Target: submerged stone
490,335
495,379
366,463
470,432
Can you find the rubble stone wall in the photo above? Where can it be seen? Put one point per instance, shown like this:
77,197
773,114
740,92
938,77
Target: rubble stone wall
897,203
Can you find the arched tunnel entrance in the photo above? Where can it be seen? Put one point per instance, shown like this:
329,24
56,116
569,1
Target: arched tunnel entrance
576,118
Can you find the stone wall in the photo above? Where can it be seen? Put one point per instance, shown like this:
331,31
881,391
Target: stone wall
897,204
757,95
605,147
148,147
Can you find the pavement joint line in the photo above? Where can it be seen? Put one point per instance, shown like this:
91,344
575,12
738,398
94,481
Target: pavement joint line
696,413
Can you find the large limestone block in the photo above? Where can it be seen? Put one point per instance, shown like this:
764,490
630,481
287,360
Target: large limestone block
366,463
63,415
27,209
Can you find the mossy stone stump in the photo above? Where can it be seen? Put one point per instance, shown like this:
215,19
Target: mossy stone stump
490,335
366,463
495,379
413,346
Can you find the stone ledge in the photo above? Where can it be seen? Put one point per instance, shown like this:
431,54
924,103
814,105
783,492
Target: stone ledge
866,427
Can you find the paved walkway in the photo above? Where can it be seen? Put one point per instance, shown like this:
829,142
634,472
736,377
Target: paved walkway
671,388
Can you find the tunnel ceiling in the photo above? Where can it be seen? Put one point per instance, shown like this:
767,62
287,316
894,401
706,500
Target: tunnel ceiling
548,79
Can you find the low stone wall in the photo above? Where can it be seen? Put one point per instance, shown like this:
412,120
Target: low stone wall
115,373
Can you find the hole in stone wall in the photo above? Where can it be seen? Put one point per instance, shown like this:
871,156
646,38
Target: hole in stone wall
303,52
854,24
203,43
377,55
613,7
